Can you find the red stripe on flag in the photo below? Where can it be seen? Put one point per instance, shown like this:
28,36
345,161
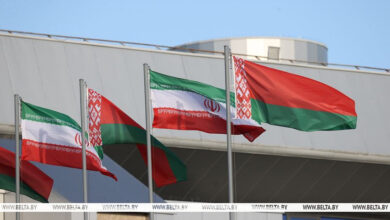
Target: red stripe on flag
29,173
61,156
277,87
162,171
111,114
171,118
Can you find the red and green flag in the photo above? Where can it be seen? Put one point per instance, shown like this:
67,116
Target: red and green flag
110,125
34,182
285,99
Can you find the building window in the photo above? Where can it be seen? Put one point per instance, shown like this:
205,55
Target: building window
273,53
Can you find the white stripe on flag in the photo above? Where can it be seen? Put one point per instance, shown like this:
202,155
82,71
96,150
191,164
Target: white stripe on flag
52,134
190,101
49,133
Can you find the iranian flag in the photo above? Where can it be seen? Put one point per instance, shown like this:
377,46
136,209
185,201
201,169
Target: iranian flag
190,105
34,183
54,138
110,125
285,99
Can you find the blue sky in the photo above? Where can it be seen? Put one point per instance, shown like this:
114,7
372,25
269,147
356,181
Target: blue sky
355,31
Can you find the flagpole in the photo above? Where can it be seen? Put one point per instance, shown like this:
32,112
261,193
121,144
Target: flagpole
83,141
228,126
148,128
17,152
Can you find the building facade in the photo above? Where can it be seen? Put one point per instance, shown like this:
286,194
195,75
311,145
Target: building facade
282,165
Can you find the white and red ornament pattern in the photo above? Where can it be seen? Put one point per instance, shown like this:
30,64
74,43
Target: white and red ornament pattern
243,102
94,111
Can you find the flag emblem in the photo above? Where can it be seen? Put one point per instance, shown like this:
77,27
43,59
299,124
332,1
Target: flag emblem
212,105
77,139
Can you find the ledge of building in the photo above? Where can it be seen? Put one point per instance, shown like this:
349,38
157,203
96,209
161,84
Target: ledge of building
255,148
7,131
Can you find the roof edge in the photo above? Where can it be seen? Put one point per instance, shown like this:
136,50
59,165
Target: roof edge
218,56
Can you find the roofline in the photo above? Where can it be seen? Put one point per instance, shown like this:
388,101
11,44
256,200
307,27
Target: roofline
291,151
217,56
255,37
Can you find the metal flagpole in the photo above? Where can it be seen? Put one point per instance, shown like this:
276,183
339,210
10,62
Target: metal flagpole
17,152
148,128
83,141
228,126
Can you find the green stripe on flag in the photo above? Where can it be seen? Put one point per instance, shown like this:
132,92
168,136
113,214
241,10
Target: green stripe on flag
44,115
8,183
164,82
305,120
125,134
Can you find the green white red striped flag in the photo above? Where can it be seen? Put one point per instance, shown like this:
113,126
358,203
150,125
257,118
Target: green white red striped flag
34,182
285,99
183,104
54,138
110,125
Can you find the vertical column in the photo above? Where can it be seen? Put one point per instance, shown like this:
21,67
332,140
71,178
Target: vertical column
148,135
228,127
83,141
17,152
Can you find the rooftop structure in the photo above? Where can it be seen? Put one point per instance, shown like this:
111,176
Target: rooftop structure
266,49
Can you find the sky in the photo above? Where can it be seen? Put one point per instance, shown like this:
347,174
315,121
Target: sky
356,32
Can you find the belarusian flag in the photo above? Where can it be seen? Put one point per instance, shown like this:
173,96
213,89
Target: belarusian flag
54,138
281,98
34,183
189,105
110,125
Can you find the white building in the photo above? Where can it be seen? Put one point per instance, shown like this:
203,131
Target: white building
282,165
